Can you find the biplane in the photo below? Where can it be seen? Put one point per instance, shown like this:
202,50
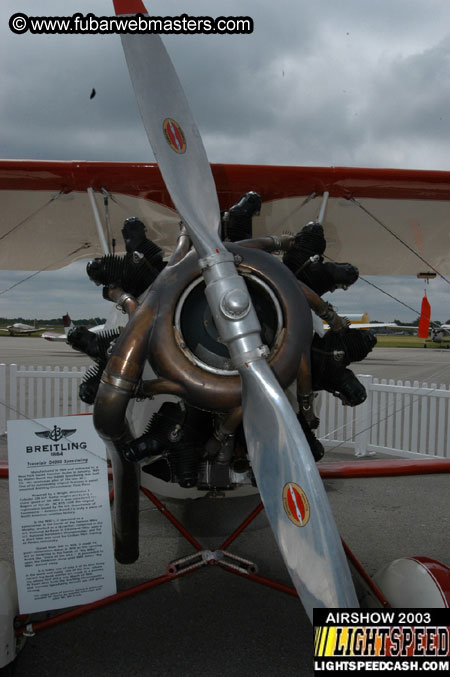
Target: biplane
225,326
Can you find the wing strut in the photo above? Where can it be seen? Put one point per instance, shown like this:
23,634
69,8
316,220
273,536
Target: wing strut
98,222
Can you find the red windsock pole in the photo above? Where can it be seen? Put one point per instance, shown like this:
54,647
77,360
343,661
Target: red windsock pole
425,316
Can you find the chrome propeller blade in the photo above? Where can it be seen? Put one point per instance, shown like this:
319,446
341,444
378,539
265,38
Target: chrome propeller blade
286,475
293,494
173,134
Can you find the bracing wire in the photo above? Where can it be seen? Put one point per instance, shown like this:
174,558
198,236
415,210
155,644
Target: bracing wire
30,216
114,199
383,291
391,232
307,199
379,420
85,245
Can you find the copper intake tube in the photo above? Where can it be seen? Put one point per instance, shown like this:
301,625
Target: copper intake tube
118,384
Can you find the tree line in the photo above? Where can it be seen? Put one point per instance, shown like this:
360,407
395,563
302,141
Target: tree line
55,321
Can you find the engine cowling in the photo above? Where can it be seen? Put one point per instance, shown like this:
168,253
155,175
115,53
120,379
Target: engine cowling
185,350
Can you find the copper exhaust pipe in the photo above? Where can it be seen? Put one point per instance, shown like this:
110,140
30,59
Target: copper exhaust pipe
118,384
269,243
182,246
150,333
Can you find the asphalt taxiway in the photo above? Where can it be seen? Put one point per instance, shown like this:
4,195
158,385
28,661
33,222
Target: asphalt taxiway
212,622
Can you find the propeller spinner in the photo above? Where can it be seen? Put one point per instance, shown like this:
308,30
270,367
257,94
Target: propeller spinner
287,478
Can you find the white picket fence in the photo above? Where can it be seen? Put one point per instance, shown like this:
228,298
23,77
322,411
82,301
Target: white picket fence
397,418
39,392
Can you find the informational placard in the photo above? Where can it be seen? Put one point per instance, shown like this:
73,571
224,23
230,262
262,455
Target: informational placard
60,515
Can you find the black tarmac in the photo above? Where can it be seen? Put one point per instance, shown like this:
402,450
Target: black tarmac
211,622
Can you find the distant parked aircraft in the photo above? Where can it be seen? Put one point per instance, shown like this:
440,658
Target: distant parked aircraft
19,329
57,336
362,321
440,334
68,326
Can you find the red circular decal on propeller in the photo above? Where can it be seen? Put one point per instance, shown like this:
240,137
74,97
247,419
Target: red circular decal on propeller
174,135
296,504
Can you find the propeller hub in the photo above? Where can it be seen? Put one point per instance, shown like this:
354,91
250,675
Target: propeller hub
235,304
186,346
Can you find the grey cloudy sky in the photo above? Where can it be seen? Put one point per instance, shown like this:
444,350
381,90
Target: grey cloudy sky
319,82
